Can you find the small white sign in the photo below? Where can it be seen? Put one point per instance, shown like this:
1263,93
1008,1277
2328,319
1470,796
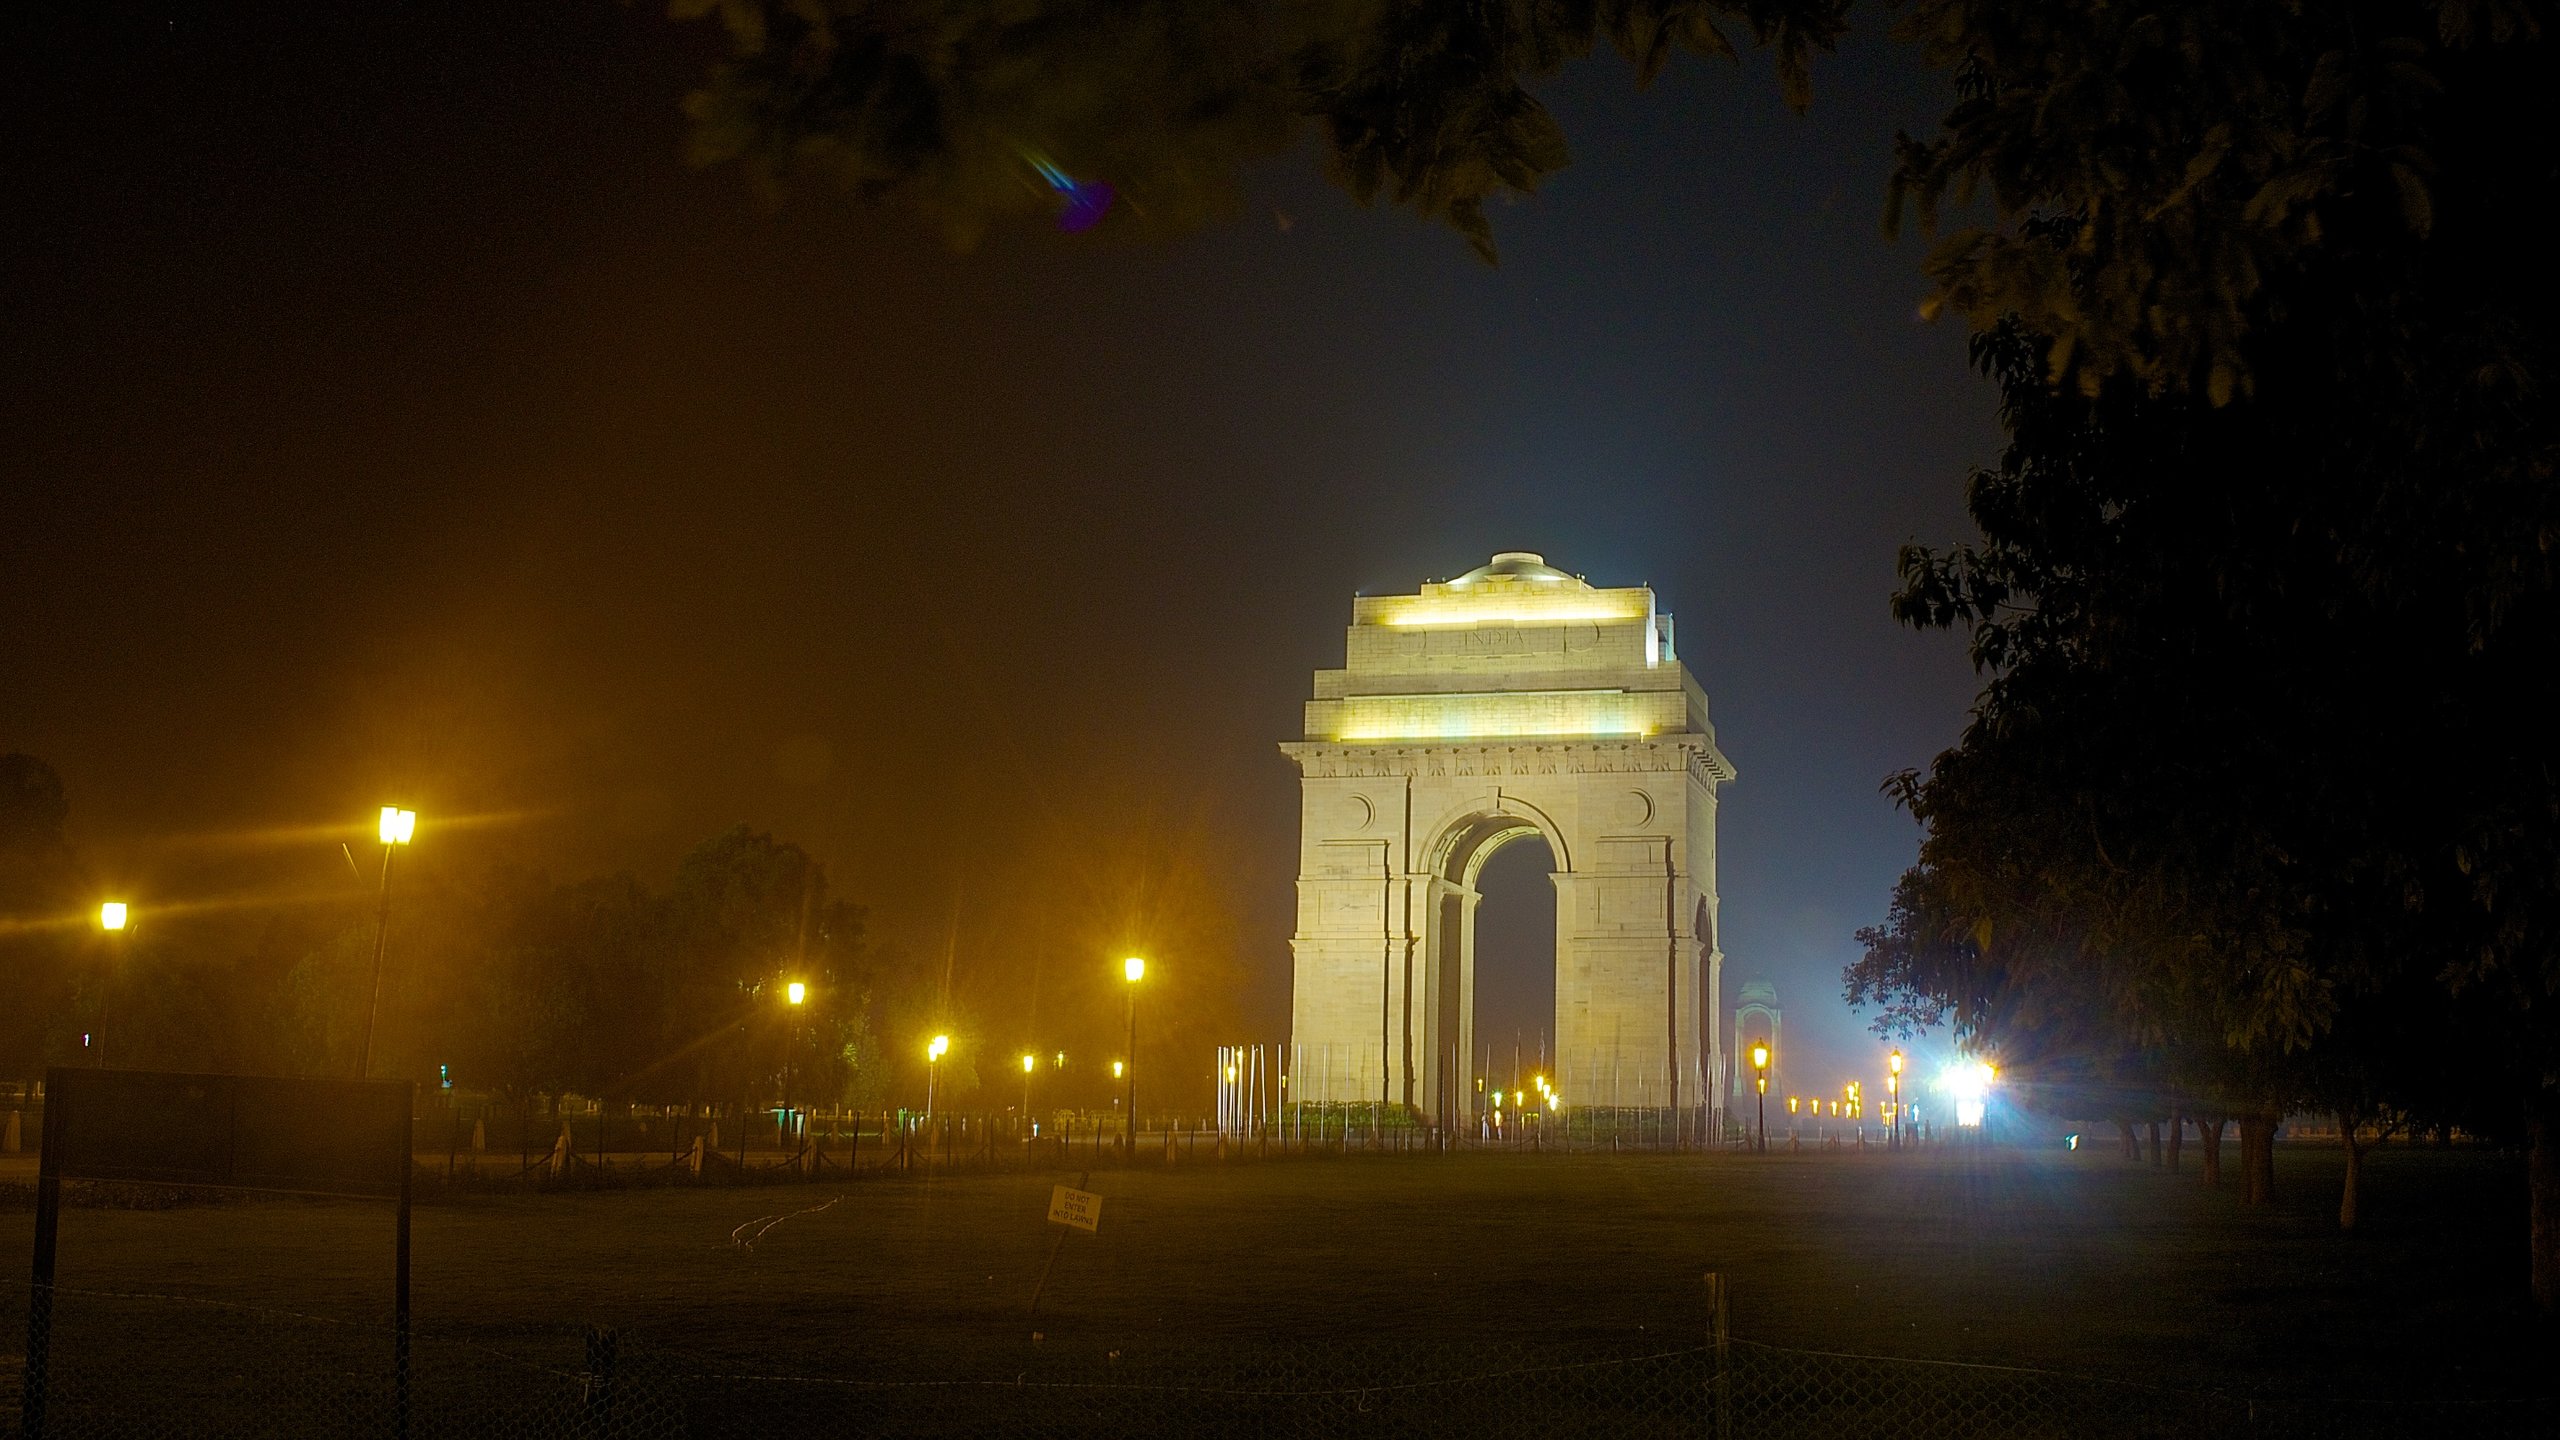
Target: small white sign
1081,1209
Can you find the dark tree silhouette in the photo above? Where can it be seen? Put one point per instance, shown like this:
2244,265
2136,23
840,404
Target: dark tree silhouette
950,106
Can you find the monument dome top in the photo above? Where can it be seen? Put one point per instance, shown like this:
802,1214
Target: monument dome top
1517,565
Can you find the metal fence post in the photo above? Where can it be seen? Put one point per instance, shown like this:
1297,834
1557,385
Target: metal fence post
1719,1361
400,1271
37,1386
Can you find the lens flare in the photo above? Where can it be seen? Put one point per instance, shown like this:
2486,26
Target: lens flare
1968,1084
1086,200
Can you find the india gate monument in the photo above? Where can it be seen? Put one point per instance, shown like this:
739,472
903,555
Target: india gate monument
1514,700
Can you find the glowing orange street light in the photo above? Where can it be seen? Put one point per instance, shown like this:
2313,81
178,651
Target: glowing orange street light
1133,970
113,917
397,827
1893,1093
1760,1064
933,1054
793,993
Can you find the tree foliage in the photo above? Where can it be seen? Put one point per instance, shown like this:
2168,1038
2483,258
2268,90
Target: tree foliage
948,107
41,903
2265,594
2168,180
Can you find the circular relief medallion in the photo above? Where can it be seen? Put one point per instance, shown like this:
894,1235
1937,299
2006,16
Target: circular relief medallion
1636,809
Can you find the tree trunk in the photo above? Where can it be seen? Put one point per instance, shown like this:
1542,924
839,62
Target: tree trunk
2126,1141
2355,1170
2542,1174
2209,1136
2154,1138
2177,1137
2258,1158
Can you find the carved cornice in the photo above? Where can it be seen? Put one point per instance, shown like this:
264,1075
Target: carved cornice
1694,754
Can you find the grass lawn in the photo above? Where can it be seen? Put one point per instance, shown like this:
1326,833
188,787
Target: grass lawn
2075,1261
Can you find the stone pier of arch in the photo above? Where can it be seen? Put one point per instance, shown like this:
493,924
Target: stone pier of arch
1512,701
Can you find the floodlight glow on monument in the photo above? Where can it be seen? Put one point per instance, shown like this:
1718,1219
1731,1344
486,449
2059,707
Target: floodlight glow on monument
1968,1083
1515,588
1514,703
1461,717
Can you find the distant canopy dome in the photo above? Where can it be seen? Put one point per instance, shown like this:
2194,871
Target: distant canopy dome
1516,565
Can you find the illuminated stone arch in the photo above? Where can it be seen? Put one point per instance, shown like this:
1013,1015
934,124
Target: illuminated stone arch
1755,1019
1513,700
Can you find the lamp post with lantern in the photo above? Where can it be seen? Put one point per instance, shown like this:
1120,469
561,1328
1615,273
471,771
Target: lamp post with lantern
794,995
1760,1081
933,1054
396,828
1893,1094
1133,970
114,917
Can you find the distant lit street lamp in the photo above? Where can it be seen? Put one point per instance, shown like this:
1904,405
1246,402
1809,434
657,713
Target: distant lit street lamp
397,827
1135,970
933,1054
1760,1066
794,995
1893,1093
113,917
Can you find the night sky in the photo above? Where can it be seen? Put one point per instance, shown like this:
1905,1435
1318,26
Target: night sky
393,412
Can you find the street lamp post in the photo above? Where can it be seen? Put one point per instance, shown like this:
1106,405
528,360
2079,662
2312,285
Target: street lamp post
1030,1062
397,827
113,917
933,1054
1760,1068
1893,1093
1135,970
795,995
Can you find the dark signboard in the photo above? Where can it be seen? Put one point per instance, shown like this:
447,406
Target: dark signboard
247,1132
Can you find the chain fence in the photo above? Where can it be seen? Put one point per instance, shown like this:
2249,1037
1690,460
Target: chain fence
120,1364
143,1365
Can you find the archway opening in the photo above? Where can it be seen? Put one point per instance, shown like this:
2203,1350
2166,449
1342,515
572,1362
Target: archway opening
1515,964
